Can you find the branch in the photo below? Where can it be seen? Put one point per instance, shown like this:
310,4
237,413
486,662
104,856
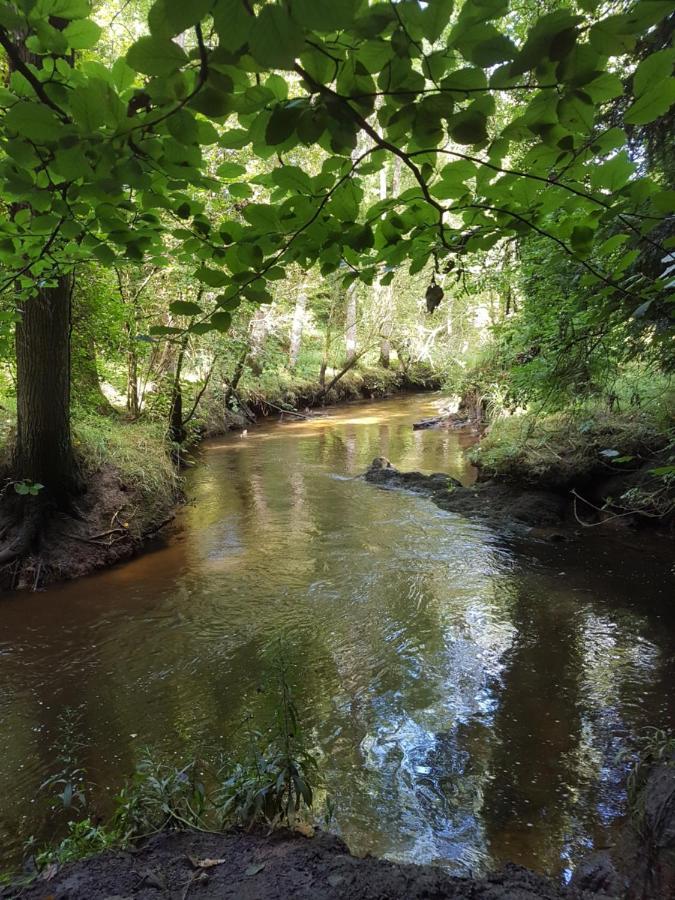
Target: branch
20,66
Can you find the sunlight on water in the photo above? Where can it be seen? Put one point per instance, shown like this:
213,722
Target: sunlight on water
468,701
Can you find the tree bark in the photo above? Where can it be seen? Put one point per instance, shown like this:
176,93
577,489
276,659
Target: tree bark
177,431
44,452
387,291
350,323
297,326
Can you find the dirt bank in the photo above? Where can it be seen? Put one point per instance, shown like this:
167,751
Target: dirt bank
547,513
502,505
281,866
111,521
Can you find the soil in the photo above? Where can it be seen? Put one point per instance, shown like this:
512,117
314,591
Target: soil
500,504
281,866
111,522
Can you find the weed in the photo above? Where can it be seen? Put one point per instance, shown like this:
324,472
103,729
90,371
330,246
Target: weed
274,782
160,797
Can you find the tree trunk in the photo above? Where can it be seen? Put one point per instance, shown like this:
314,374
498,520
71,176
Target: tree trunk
350,324
176,428
133,404
297,326
44,452
86,387
387,291
236,378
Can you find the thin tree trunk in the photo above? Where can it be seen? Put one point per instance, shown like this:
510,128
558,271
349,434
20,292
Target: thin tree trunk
387,291
236,378
350,324
133,405
297,326
44,452
176,428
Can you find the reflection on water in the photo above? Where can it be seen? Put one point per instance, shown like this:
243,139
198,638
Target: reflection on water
469,700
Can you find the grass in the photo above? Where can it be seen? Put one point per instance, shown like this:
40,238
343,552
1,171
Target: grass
560,447
137,450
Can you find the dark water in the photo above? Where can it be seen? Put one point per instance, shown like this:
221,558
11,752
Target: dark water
469,696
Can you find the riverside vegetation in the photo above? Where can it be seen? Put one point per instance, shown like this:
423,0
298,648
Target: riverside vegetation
241,205
233,208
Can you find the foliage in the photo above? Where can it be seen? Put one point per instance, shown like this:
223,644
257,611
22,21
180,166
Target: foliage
115,160
84,838
160,797
275,781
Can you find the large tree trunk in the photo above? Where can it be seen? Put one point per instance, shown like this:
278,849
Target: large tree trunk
297,326
44,452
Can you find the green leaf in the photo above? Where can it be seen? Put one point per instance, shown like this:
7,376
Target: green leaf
469,79
82,34
435,18
653,103
212,103
652,70
345,201
613,174
281,124
221,321
181,15
153,55
233,24
261,216
229,170
33,121
185,308
292,178
212,277
324,15
468,127
62,9
276,39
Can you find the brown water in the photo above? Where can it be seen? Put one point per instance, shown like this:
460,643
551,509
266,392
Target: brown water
469,695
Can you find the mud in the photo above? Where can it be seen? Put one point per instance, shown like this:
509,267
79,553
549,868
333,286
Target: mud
111,522
281,866
500,504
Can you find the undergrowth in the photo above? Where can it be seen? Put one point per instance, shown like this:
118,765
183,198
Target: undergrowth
137,450
273,784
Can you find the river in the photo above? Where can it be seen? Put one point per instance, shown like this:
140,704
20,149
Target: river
469,695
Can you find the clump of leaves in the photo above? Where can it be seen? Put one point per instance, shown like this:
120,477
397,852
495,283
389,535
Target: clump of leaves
84,838
160,797
273,785
70,780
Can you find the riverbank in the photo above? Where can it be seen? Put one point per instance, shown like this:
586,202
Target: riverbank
131,472
279,866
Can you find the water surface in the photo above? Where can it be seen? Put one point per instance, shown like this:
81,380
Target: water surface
469,695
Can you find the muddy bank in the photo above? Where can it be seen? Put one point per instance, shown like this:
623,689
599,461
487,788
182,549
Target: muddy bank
499,504
113,520
281,866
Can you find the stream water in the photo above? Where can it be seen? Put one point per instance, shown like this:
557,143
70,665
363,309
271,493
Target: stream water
469,695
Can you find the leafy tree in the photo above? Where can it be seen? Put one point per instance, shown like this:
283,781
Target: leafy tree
500,127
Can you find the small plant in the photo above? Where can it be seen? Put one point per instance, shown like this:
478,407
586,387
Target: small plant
274,782
70,781
84,838
160,797
28,488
